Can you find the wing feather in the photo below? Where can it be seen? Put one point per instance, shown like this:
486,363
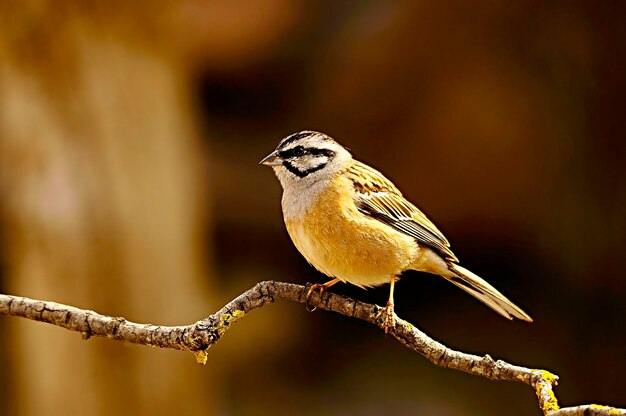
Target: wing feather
377,197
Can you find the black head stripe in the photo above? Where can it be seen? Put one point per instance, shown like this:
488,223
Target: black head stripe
302,173
300,151
291,168
320,152
294,152
302,135
294,137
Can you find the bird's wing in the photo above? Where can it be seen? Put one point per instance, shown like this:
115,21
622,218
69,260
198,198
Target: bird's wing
377,197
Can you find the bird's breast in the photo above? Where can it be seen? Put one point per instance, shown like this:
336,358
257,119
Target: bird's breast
341,242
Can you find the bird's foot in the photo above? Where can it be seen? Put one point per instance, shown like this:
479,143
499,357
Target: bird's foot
389,317
322,288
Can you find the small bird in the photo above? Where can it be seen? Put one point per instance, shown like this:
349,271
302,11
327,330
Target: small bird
352,224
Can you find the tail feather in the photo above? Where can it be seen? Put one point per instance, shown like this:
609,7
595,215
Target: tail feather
483,291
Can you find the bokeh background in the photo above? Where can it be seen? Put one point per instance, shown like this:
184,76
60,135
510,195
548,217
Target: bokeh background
129,139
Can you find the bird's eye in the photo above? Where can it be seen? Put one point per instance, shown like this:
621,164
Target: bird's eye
298,151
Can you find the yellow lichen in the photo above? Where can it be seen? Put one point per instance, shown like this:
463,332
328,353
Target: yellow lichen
227,320
547,376
612,411
551,404
201,356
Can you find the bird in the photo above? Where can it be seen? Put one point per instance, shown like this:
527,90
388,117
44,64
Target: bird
353,225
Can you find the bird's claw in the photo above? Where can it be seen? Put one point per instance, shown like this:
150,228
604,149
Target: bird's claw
389,317
309,293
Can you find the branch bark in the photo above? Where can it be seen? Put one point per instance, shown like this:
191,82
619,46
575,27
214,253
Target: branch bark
198,337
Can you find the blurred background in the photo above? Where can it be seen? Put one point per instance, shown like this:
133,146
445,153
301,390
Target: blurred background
130,134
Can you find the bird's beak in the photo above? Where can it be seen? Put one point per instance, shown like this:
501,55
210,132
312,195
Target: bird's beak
271,160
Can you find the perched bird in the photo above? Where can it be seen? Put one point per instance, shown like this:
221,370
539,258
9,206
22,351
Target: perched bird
352,224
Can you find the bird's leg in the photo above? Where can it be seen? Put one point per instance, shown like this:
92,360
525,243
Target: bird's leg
322,288
388,310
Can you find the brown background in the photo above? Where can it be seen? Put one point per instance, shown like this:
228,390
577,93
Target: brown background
129,184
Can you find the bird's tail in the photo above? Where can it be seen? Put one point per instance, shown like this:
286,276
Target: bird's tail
486,293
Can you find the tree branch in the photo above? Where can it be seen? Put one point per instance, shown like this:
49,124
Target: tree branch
198,337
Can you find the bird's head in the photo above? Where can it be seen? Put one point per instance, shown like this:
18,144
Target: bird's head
307,157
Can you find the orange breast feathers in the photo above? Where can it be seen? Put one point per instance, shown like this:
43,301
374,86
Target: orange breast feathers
341,242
